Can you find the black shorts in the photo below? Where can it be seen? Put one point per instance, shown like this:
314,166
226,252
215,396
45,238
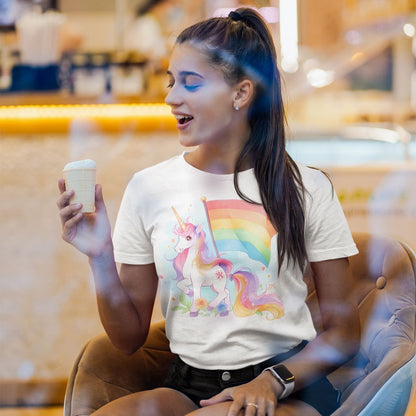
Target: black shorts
200,384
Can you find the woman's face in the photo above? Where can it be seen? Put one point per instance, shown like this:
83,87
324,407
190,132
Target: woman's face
200,98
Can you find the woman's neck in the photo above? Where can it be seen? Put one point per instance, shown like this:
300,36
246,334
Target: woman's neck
221,156
212,161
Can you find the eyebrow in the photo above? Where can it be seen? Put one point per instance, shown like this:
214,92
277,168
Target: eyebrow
185,73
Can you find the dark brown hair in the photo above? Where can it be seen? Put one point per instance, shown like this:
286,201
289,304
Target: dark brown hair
242,46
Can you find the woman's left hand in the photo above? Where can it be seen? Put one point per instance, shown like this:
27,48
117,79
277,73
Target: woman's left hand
256,398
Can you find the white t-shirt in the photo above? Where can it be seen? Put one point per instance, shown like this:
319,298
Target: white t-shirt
225,304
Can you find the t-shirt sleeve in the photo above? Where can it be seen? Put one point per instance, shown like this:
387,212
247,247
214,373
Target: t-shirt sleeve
327,232
131,241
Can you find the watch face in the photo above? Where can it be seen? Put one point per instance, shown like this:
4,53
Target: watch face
284,373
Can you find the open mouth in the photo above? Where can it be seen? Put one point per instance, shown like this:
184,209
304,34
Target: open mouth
184,120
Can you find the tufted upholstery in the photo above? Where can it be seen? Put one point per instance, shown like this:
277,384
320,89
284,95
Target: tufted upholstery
384,277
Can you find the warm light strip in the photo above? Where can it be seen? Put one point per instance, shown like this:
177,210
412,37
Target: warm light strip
107,116
84,111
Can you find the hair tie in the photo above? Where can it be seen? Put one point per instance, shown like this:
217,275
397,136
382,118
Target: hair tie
235,16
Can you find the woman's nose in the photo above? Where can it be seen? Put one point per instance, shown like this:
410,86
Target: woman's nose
173,98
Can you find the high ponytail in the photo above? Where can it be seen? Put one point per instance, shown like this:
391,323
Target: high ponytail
241,44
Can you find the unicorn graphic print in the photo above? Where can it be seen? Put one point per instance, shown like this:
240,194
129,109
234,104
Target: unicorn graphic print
207,277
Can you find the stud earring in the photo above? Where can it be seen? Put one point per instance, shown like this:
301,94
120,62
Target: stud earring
236,107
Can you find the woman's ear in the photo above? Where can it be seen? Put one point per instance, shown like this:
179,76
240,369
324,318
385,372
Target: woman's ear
244,93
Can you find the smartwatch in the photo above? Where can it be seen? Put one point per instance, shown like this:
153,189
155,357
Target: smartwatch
284,377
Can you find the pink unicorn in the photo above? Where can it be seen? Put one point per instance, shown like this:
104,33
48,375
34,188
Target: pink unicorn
197,270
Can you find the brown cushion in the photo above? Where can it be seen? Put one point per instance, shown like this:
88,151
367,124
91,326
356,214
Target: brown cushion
102,373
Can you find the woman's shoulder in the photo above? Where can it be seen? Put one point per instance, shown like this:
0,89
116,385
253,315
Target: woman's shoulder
153,180
313,177
153,177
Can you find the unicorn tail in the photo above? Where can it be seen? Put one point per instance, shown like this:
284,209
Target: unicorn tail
247,301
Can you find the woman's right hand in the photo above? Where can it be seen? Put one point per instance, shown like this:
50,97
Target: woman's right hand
90,233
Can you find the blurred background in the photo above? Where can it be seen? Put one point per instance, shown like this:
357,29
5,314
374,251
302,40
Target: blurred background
87,79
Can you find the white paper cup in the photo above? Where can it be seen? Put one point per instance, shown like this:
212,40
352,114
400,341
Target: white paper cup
80,176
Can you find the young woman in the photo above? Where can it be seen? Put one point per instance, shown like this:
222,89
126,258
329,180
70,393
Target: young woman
226,231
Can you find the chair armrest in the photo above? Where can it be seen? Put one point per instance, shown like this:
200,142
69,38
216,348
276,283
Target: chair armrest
386,390
102,373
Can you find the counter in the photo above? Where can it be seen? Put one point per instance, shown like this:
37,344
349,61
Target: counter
48,308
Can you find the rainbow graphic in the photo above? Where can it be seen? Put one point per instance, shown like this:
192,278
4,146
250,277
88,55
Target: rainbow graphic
237,225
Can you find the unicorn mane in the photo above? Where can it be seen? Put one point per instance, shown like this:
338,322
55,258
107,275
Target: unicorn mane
203,259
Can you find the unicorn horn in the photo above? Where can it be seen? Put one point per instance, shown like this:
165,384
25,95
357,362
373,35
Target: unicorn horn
180,220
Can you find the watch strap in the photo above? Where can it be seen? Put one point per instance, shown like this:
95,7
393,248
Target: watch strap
285,378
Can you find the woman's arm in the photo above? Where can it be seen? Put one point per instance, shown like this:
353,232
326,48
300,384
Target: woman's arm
340,337
125,301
